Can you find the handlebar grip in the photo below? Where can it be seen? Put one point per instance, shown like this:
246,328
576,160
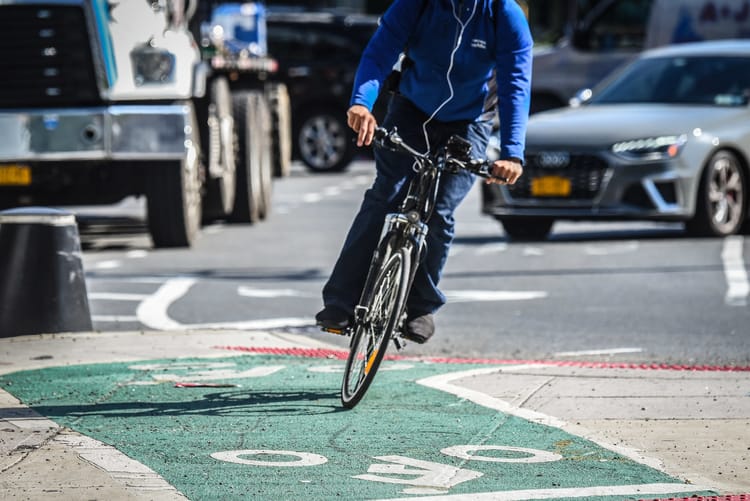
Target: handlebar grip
380,133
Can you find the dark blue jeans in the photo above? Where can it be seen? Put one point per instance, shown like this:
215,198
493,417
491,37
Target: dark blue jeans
394,172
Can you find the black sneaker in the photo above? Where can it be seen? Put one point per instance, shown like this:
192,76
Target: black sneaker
419,329
333,319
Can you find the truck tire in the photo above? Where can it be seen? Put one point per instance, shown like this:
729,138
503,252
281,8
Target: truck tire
174,203
248,193
265,144
221,151
281,128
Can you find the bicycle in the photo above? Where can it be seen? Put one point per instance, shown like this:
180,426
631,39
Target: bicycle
380,313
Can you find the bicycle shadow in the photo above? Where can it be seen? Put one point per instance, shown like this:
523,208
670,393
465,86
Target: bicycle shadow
221,404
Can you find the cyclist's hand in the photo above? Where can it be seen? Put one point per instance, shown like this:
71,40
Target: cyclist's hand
511,170
362,122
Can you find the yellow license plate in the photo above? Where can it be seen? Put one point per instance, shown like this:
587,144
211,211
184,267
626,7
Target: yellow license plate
15,175
550,186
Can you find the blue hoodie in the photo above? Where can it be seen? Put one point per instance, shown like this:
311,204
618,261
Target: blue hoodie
486,44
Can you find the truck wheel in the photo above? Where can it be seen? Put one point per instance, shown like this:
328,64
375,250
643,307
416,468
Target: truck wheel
248,194
222,152
281,128
265,145
173,198
323,140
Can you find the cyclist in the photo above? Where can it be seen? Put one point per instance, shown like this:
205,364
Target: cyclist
453,48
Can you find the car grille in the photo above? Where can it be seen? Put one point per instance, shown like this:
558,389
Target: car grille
45,57
585,173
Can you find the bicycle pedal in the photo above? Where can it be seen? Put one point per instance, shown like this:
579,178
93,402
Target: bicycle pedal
338,332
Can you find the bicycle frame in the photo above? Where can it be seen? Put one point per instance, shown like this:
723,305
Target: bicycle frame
395,261
409,224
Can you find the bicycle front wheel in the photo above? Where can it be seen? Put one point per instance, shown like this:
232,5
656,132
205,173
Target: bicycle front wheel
385,306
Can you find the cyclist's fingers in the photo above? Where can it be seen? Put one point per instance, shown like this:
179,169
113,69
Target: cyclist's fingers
366,131
505,172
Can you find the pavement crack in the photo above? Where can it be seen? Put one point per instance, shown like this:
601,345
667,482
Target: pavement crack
534,391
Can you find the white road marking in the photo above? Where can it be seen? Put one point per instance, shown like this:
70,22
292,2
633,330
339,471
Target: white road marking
735,273
107,265
609,249
138,479
267,293
116,296
302,458
114,318
332,191
533,251
455,250
606,351
481,296
532,455
492,248
640,490
426,477
152,312
311,198
263,324
136,254
443,382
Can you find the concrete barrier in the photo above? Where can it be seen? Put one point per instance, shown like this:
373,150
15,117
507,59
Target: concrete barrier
42,285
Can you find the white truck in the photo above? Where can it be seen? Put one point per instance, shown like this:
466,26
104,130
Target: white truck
104,100
600,35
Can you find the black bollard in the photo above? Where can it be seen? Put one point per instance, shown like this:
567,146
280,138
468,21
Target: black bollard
42,286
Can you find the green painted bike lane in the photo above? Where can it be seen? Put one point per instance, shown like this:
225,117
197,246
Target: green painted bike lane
277,431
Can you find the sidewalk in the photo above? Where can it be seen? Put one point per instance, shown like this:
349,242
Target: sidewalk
694,425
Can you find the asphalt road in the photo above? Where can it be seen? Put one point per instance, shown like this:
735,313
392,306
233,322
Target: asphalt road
606,291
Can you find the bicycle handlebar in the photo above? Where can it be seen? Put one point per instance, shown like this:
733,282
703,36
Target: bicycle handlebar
482,168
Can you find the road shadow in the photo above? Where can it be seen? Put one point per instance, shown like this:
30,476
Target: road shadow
673,232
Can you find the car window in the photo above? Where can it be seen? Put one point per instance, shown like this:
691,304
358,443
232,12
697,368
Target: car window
290,43
723,81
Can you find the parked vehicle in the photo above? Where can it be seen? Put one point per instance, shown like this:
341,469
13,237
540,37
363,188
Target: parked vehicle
318,54
667,138
597,36
101,100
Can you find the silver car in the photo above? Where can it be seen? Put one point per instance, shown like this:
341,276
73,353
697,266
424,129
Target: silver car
666,138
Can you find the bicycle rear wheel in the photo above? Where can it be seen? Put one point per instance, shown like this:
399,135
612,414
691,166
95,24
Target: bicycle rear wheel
385,305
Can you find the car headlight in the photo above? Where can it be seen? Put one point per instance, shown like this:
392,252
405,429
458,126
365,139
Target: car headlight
651,148
152,65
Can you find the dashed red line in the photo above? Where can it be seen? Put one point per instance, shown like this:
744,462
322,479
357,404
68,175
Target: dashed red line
342,355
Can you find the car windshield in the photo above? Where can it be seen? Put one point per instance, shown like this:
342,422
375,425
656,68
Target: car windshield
708,80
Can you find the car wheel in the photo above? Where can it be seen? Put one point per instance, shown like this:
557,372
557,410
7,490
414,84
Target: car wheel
527,229
323,139
722,197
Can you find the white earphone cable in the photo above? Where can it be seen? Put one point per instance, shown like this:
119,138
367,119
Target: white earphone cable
450,66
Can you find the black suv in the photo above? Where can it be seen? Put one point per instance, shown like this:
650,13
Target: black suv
318,54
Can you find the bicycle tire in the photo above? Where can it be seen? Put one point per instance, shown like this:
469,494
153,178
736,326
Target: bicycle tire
385,306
